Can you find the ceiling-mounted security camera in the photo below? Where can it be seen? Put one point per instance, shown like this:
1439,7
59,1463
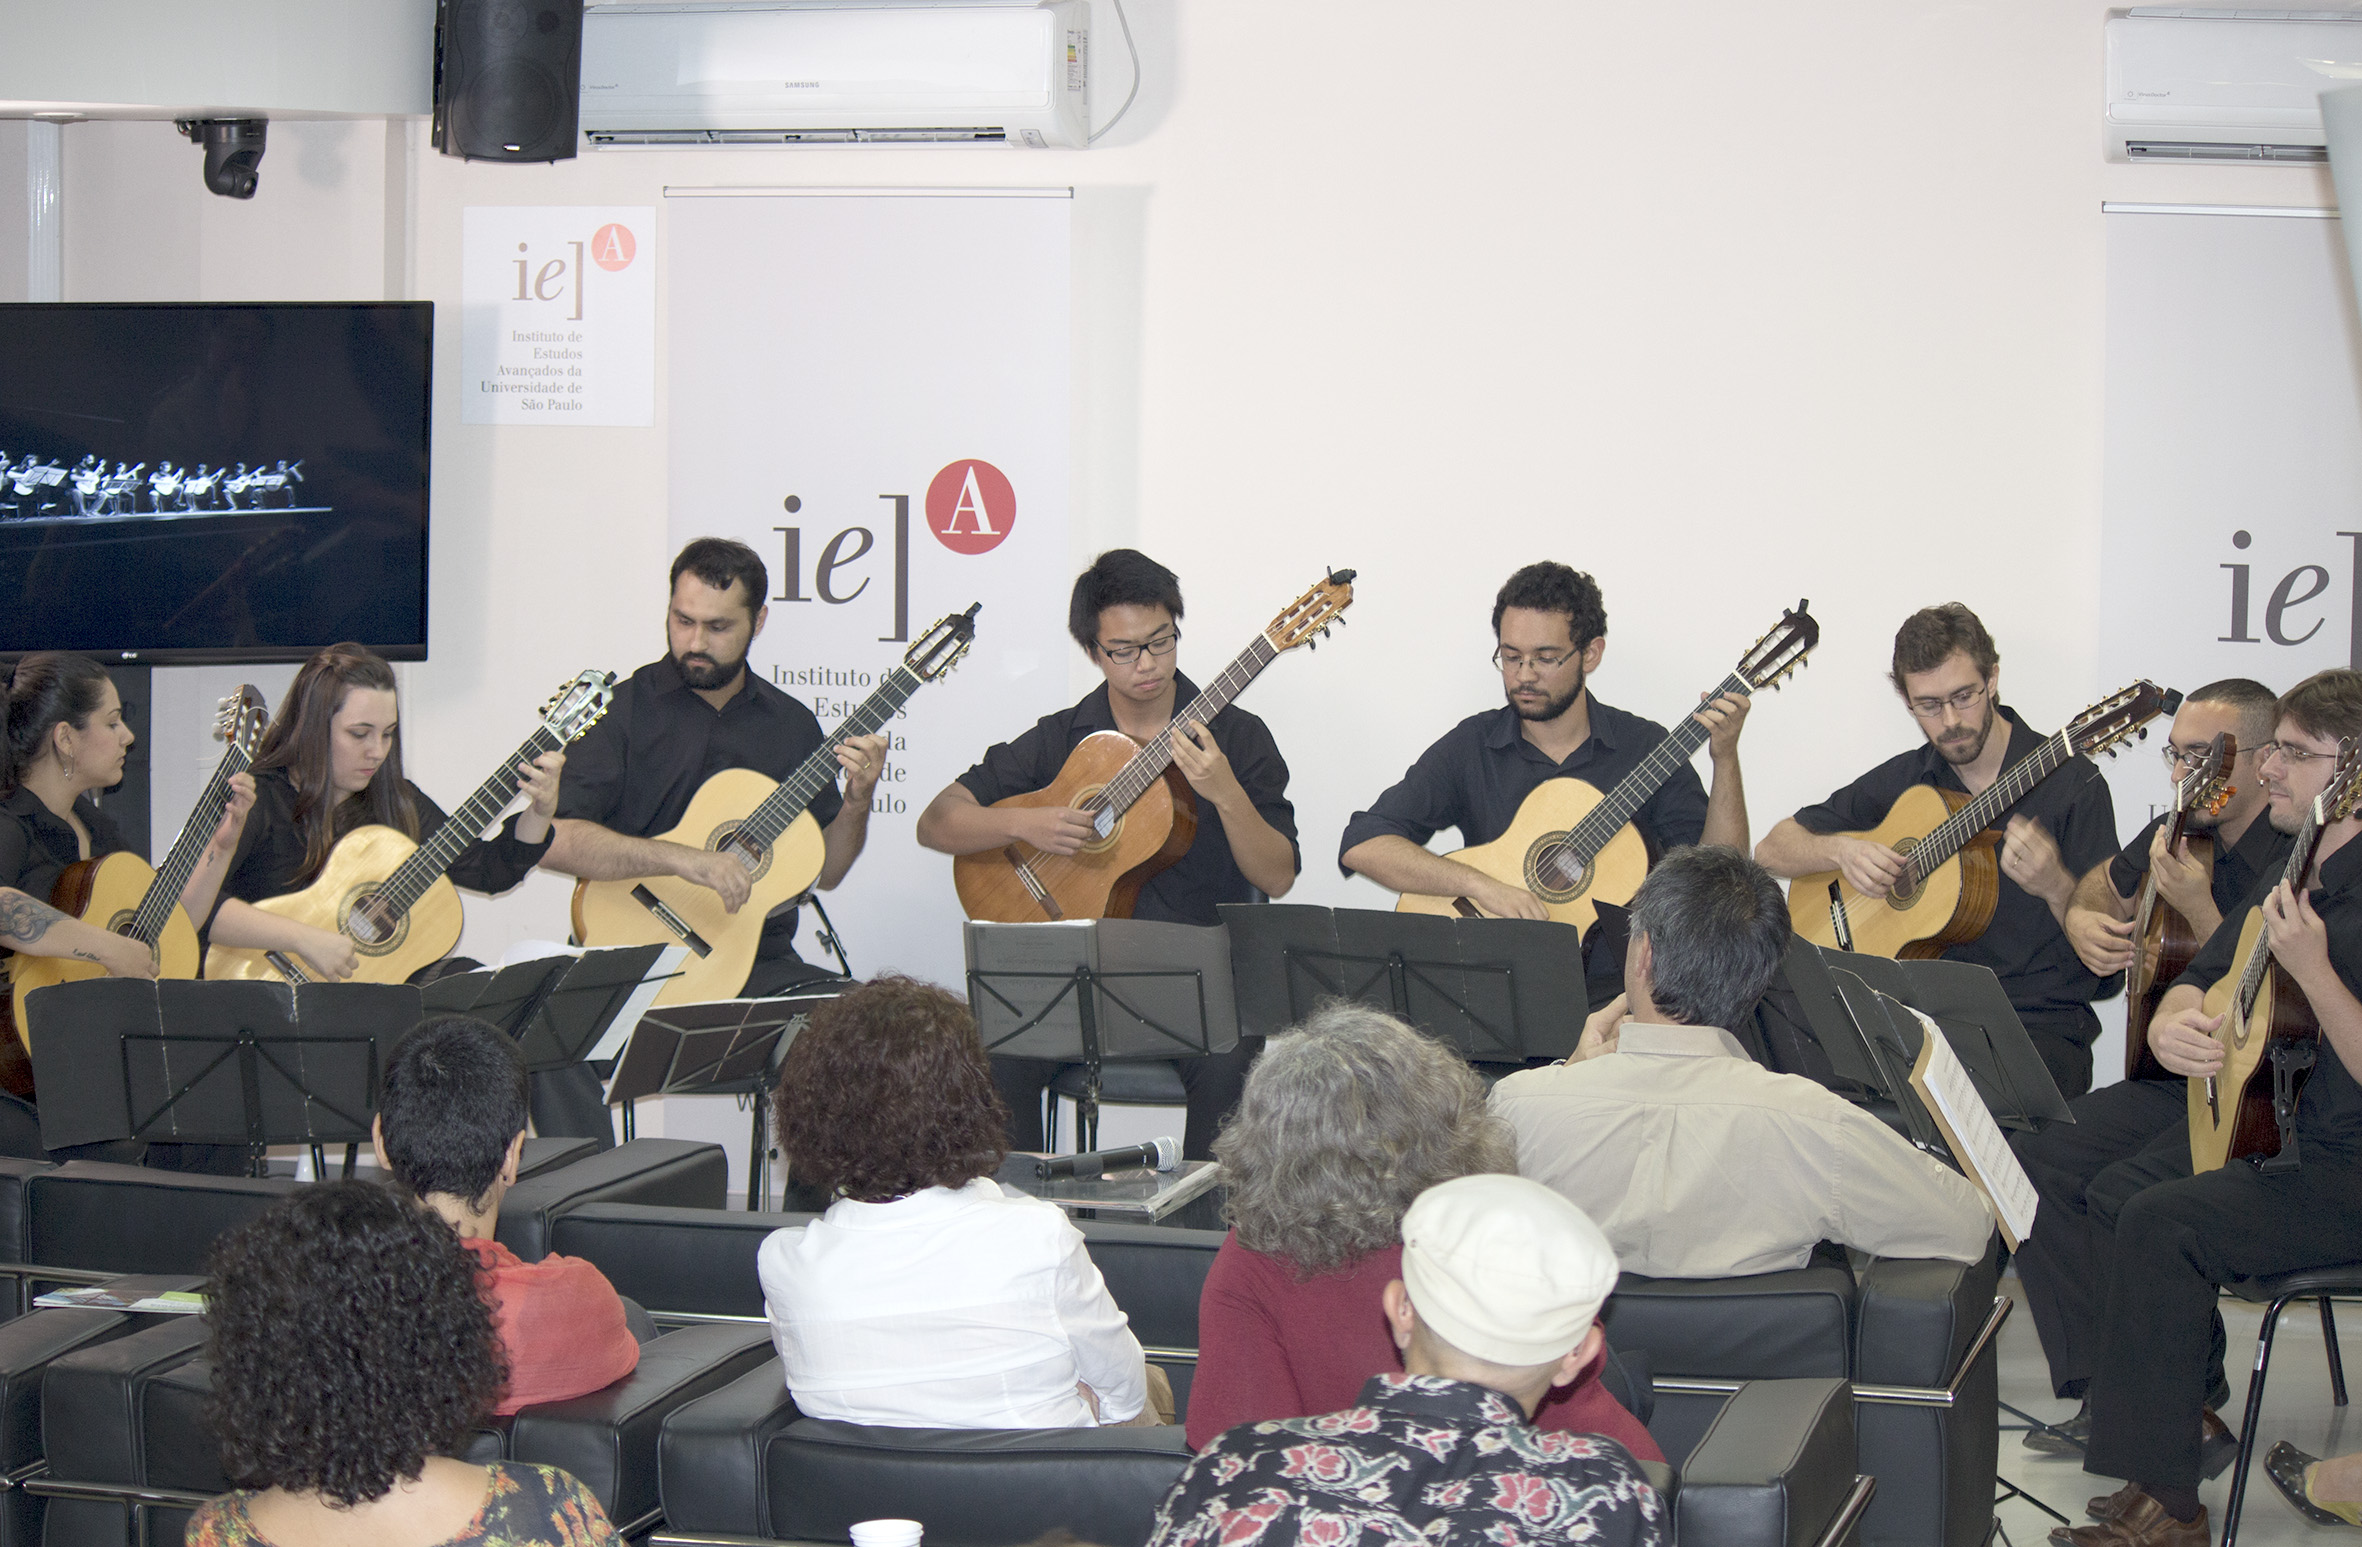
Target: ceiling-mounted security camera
233,152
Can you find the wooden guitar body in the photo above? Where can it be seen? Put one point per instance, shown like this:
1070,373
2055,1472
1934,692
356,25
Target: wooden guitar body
104,893
1103,880
2164,952
2234,1118
357,866
1526,856
610,913
1950,907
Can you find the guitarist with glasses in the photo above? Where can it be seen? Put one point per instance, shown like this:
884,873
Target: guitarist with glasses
1549,633
1948,674
1125,613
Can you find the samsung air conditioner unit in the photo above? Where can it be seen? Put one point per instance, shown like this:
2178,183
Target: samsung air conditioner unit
2193,84
837,72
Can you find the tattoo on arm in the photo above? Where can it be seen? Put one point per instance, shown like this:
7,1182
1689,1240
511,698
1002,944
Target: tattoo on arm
88,956
22,920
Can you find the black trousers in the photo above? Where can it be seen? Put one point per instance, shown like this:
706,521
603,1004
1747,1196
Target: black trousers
1214,1084
2174,1243
2125,1138
2064,1039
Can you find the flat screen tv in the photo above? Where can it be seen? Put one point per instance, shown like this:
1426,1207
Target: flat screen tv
218,482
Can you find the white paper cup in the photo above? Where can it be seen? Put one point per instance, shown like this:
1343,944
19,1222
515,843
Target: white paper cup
886,1533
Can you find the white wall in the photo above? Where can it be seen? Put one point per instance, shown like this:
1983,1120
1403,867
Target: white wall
1704,299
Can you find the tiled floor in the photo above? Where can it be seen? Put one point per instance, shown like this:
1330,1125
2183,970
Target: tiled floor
2296,1408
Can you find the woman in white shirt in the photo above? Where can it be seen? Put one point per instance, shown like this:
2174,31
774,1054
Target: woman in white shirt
927,1296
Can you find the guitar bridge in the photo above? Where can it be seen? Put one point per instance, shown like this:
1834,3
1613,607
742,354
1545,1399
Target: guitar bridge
285,965
672,921
1839,925
1033,883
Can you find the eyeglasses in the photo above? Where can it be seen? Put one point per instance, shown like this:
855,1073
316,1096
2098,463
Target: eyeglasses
1959,703
2291,754
2179,758
1125,654
1544,662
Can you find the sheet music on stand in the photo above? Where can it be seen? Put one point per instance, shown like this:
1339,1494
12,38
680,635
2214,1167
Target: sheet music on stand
1976,1141
563,1008
1096,991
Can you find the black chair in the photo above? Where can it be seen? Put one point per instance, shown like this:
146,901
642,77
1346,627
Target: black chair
28,1346
2275,1295
676,1172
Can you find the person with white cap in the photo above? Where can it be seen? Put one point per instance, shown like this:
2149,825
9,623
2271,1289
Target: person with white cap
1502,1280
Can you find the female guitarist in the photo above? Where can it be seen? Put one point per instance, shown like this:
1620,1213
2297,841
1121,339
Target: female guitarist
66,738
331,762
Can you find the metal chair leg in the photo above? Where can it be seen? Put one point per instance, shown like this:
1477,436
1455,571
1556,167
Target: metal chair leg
2337,1362
2247,1427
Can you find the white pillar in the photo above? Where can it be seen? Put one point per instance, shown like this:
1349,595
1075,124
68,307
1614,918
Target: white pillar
45,266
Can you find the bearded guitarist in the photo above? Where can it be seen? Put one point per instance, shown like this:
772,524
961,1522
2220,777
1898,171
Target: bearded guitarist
1948,674
1125,614
1549,635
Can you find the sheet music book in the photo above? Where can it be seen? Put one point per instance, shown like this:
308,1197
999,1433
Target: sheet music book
1943,1082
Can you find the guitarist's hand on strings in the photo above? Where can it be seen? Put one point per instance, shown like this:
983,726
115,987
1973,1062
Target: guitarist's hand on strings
233,816
1500,900
1052,829
2183,1041
1868,866
2300,941
329,953
2182,880
538,780
1723,718
2105,944
864,760
1203,765
719,872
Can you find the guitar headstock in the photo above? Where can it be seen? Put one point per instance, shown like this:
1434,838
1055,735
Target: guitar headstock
2112,721
1310,615
578,705
1770,659
2207,788
939,649
2344,790
242,717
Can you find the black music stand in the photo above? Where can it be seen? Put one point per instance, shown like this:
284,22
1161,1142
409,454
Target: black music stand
729,1047
238,1063
558,1009
1101,991
1502,991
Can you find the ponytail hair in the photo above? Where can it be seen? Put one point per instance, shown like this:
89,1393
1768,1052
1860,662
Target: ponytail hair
49,687
298,741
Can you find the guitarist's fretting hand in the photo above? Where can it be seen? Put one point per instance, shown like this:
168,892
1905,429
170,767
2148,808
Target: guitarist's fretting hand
2300,941
2030,857
1052,829
2184,882
1868,866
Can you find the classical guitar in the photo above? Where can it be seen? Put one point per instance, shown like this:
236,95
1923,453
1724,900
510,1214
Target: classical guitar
1141,808
121,894
389,895
2240,1110
2164,944
1575,848
763,824
1951,877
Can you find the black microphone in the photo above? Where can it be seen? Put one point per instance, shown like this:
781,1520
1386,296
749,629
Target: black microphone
1164,1154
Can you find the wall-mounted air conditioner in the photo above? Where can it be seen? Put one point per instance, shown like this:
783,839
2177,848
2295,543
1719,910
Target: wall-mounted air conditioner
2192,84
841,72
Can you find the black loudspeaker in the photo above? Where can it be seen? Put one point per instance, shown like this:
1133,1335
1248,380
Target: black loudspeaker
508,78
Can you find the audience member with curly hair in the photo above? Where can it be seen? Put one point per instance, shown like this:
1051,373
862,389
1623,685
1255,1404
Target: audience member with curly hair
352,1355
928,1296
1345,1121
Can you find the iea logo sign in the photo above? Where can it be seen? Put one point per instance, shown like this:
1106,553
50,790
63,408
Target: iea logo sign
970,507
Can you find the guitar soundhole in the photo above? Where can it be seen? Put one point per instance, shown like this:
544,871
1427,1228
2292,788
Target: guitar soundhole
758,864
1555,871
371,925
1905,892
1088,800
121,923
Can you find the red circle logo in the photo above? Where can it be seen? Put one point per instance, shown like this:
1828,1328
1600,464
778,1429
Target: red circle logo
612,247
970,507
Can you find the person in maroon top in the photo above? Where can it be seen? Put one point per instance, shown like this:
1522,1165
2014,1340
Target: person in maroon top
1344,1122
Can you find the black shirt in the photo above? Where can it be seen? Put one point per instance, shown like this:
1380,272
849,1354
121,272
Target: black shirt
36,845
2329,1109
269,859
1475,778
1188,890
2261,851
636,771
2024,944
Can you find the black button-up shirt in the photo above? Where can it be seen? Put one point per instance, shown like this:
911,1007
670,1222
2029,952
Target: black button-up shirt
1475,778
269,859
636,771
1188,890
2024,945
2329,1109
2260,851
36,845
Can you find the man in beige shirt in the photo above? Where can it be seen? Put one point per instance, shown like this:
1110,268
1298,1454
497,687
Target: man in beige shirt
1697,1161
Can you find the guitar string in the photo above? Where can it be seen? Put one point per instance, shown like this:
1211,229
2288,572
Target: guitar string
426,864
163,894
1592,832
782,806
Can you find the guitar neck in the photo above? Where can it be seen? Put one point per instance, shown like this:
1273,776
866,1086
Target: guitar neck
1149,763
2301,850
441,851
163,894
2016,782
2176,824
795,795
1632,791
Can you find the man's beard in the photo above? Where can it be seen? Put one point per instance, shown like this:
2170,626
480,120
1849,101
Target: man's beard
1551,708
1975,749
701,671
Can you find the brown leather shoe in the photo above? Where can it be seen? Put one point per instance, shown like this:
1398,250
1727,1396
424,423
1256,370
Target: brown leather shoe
2141,1523
2114,1504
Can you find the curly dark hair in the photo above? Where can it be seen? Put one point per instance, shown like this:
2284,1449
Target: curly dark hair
1120,577
887,1091
349,1343
1933,635
1548,586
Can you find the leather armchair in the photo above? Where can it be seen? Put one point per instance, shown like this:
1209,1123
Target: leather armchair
28,1346
676,1172
101,1217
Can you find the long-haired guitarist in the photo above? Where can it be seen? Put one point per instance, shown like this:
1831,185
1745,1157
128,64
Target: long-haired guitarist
65,741
1549,636
2176,1241
1948,675
1125,614
331,762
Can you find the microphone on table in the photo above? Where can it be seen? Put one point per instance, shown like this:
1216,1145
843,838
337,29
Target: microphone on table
1163,1154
